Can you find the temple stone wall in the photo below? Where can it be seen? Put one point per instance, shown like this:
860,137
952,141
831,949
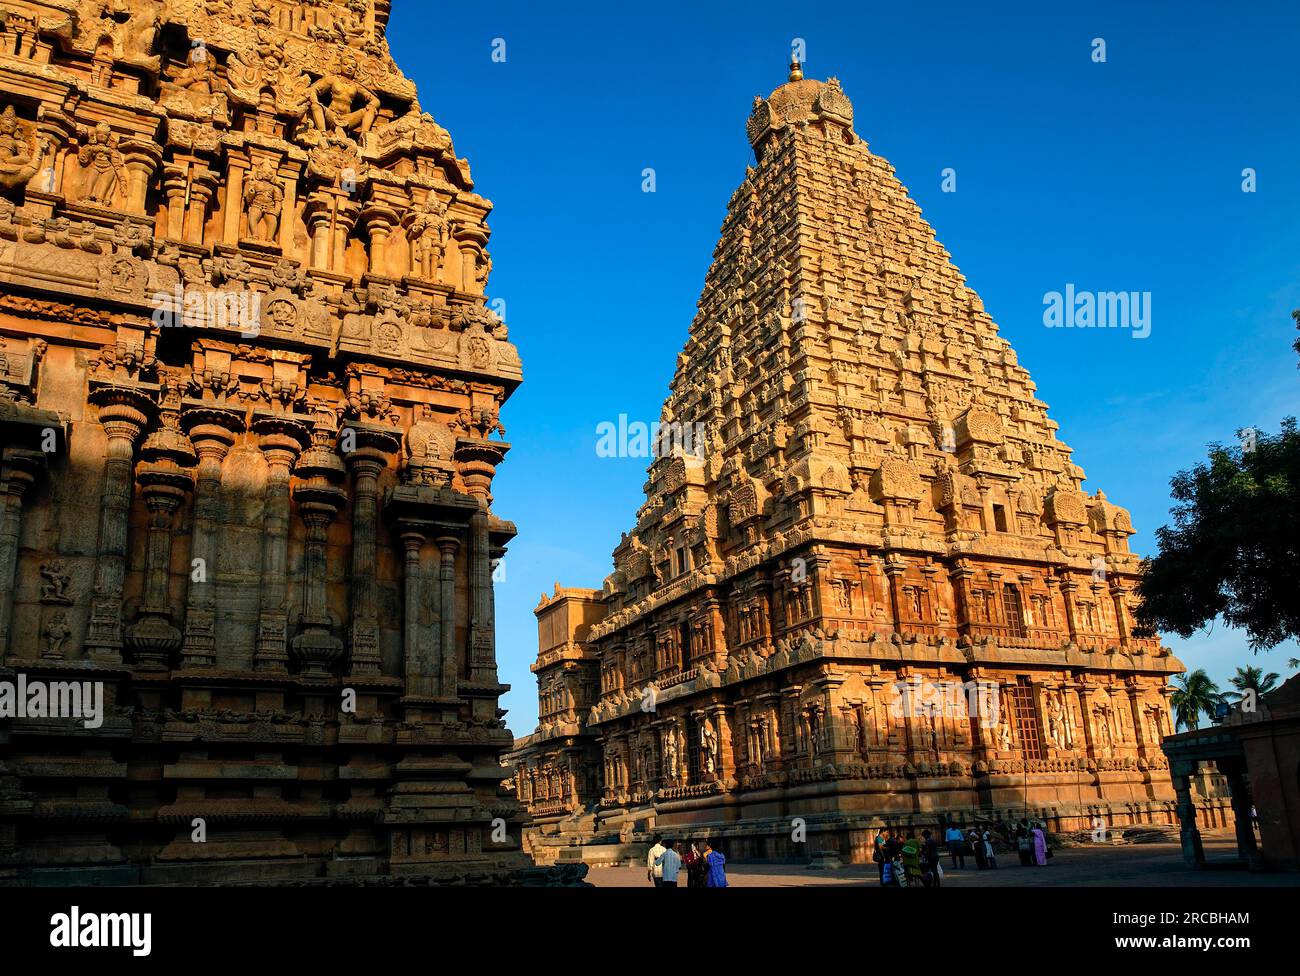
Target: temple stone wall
249,415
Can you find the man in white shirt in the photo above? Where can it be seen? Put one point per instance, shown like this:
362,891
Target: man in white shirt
654,870
669,863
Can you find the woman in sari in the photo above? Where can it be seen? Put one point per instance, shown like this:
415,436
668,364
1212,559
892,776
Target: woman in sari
1040,846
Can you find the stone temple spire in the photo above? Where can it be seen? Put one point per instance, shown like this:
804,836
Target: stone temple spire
858,488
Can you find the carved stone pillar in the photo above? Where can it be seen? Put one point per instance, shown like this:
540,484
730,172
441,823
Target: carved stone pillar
165,479
282,438
421,680
482,657
175,183
1119,596
347,213
894,569
141,160
319,500
123,413
367,461
17,473
319,216
212,432
1193,851
234,203
1243,823
447,548
1068,588
380,221
203,187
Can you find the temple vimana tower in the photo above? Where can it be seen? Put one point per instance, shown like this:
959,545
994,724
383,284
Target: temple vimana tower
249,395
879,513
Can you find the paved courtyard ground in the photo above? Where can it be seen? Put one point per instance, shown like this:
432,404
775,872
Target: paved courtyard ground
1138,865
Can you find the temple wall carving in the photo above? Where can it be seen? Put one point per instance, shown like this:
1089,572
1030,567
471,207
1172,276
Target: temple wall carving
249,395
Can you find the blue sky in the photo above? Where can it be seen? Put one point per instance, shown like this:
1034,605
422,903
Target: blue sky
1123,175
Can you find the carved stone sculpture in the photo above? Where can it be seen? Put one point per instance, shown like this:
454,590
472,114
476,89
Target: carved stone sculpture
428,234
103,164
335,100
18,154
263,200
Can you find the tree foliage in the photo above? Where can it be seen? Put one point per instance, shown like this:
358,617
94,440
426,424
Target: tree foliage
1234,546
1194,695
1251,678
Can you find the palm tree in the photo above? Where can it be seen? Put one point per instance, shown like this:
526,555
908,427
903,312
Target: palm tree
1194,695
1251,678
1293,662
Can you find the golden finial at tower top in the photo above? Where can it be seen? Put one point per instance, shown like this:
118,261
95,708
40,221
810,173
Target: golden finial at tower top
796,70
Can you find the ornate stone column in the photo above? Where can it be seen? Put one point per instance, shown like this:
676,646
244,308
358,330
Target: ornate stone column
319,216
447,548
202,189
482,657
18,471
367,461
319,500
1119,597
380,220
1068,588
212,431
123,413
282,438
165,479
141,160
175,183
421,680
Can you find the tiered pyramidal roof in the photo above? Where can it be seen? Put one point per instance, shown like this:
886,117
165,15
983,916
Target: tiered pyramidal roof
849,387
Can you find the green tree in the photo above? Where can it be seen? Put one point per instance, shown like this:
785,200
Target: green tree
1251,678
1234,546
1194,695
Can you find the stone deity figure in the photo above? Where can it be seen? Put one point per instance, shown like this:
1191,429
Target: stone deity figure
709,741
263,199
428,235
1004,736
57,633
1107,735
133,25
333,98
103,164
54,588
197,75
1067,729
670,754
1054,725
18,161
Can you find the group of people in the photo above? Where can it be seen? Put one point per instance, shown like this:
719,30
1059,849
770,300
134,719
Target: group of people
904,860
1031,843
705,865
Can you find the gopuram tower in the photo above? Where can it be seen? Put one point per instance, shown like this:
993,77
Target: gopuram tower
861,514
249,397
